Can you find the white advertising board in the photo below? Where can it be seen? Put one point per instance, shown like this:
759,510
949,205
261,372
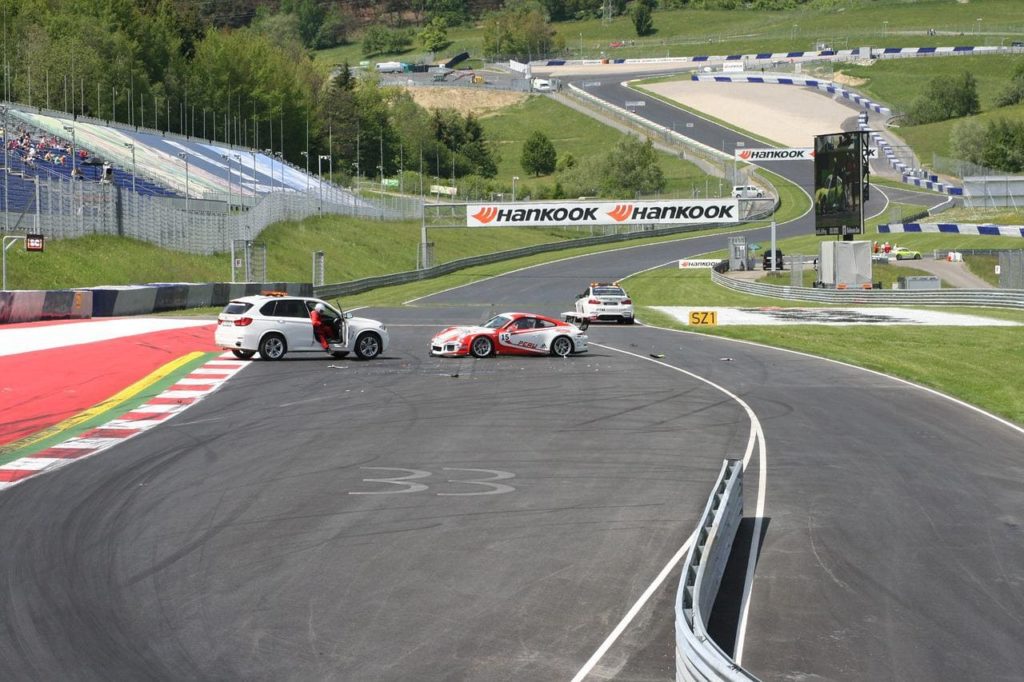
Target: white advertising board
678,212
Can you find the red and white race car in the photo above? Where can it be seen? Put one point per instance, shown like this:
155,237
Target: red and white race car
511,334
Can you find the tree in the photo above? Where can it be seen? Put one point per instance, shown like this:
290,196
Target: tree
642,21
967,140
1013,93
1004,145
454,12
434,36
521,30
383,40
632,167
946,98
538,156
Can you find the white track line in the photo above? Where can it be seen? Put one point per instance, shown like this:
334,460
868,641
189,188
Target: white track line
756,438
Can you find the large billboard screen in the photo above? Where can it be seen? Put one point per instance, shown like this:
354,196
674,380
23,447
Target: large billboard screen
838,184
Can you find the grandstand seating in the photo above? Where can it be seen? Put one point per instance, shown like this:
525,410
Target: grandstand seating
214,170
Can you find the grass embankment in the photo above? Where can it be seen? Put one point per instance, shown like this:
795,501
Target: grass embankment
898,82
967,362
353,249
572,133
687,32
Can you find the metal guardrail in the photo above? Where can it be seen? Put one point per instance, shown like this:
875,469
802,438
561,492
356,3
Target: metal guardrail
698,657
982,298
360,285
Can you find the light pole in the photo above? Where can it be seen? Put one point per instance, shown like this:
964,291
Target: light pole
885,30
228,160
734,171
132,147
74,147
253,175
514,178
280,162
7,207
320,176
184,156
581,46
978,29
305,153
270,153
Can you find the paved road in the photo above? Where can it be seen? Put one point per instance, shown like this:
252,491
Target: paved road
279,530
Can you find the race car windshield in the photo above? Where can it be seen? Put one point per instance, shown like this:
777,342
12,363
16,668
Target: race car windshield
496,322
608,291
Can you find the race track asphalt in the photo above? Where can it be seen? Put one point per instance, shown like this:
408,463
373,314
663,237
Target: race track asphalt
494,519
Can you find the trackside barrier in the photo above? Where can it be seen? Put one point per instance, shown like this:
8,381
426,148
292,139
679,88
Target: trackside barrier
30,306
954,228
981,298
35,306
698,658
360,285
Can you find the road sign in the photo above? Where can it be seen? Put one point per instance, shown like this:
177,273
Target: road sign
34,242
636,103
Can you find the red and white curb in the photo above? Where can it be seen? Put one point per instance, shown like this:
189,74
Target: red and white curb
186,392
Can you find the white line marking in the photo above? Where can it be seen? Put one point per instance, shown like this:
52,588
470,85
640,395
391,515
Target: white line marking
200,381
31,463
133,424
158,408
756,437
181,394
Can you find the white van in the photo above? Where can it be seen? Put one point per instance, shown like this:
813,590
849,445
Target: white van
541,85
747,192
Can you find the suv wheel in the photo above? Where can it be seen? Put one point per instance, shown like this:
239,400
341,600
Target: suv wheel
273,347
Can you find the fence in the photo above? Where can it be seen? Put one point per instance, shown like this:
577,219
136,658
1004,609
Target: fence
983,298
69,209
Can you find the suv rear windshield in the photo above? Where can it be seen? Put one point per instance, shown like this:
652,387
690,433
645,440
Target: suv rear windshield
236,308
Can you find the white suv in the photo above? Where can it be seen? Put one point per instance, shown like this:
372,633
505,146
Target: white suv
274,325
747,191
605,301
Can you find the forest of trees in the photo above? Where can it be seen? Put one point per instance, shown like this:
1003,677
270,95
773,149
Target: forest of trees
237,71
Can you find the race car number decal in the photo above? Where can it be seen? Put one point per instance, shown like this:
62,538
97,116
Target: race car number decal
414,474
703,317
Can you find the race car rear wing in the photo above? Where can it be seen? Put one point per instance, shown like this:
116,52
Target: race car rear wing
577,319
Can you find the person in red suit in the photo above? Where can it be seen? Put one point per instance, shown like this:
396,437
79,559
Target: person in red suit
322,329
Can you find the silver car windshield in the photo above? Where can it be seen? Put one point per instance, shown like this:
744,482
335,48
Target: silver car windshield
496,322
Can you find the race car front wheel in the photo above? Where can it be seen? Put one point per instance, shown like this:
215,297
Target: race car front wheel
481,347
561,346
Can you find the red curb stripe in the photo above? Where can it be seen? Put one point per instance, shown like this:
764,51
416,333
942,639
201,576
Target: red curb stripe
144,416
58,452
102,432
12,475
171,401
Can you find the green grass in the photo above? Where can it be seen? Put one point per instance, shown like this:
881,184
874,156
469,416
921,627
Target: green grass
353,249
996,216
571,132
899,82
967,362
984,267
687,32
885,274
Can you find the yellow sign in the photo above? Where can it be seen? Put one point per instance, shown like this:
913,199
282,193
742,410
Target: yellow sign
703,318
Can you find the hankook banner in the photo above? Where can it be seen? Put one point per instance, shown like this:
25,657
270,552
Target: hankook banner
796,154
679,212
